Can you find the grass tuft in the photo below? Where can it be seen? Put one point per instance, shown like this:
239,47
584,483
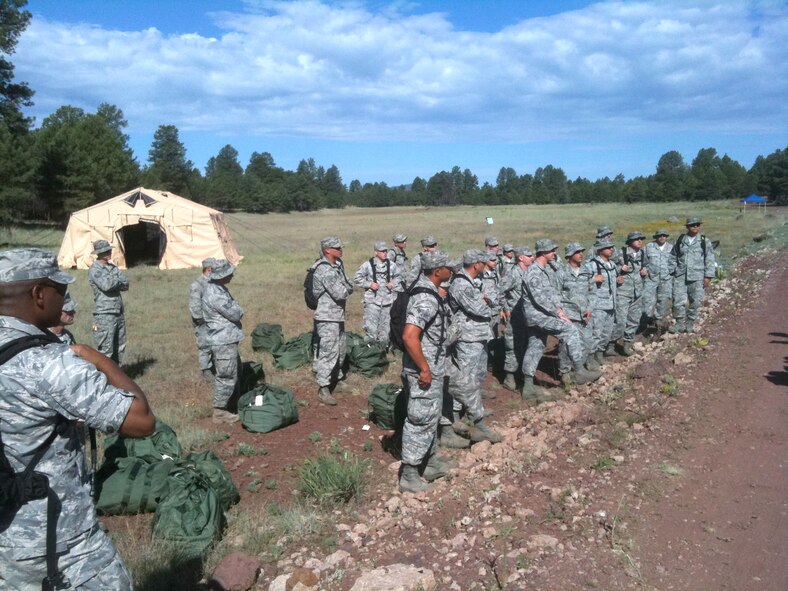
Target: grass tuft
331,480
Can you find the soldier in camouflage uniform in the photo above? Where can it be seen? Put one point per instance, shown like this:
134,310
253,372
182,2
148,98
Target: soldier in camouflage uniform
398,256
577,292
380,279
66,319
331,288
507,260
423,368
603,302
694,266
51,390
196,290
428,244
659,282
629,305
511,301
222,315
109,323
471,311
544,316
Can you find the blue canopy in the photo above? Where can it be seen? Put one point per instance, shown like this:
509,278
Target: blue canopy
753,199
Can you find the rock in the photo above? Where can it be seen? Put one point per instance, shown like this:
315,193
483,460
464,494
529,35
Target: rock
278,584
542,541
338,558
481,449
392,504
237,572
682,359
396,577
301,576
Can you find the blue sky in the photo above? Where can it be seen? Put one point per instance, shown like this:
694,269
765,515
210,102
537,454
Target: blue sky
389,91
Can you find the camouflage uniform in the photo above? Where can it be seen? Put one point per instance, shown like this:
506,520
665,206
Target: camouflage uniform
196,290
471,321
424,406
515,335
577,290
541,301
331,288
109,324
629,303
659,283
222,315
490,280
603,302
690,267
398,257
39,388
377,302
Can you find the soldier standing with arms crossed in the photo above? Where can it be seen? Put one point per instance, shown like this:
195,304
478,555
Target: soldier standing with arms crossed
109,323
694,266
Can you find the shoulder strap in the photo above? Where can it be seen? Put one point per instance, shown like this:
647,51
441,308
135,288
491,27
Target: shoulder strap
374,271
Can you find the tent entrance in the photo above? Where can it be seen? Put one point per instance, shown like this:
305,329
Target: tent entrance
143,243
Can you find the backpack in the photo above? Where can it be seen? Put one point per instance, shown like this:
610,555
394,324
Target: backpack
161,444
132,485
208,464
680,242
455,306
278,409
353,339
189,516
295,352
369,359
309,282
388,406
399,310
267,337
375,273
251,375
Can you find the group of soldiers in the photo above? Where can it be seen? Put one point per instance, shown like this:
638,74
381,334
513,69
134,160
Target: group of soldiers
458,311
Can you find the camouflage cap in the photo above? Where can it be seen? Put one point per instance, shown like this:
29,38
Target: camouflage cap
545,245
523,251
208,263
661,232
69,305
100,246
572,248
603,243
437,259
636,235
602,231
399,238
491,241
330,242
24,264
507,247
472,256
429,241
489,255
691,221
221,269
381,246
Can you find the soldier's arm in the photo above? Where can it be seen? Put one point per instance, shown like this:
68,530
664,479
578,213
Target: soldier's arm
335,285
103,278
363,277
195,303
411,339
710,270
469,299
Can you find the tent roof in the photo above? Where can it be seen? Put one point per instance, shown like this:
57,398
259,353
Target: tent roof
753,199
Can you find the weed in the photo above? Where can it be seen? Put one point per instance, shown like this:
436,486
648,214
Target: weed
315,436
669,385
303,402
617,437
603,463
263,451
368,446
254,485
250,472
271,484
670,469
244,449
329,543
699,342
331,480
611,396
334,446
217,436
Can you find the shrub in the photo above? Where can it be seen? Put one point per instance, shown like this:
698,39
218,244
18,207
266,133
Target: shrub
332,480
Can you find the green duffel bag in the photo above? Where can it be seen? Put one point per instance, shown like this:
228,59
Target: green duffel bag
252,374
368,359
267,337
210,465
295,352
190,516
132,485
352,339
162,444
388,406
278,409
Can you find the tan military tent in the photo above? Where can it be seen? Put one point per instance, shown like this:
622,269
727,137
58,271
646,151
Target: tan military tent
148,226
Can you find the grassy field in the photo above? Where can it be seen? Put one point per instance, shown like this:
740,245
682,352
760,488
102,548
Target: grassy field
277,249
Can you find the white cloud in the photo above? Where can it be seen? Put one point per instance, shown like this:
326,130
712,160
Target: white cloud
345,72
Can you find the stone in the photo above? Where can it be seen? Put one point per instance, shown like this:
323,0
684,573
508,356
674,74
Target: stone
396,577
237,572
682,359
392,504
301,576
338,558
542,541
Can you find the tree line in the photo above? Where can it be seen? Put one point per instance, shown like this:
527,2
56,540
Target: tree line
75,159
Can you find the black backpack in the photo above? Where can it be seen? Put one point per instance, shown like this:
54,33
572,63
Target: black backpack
399,310
309,281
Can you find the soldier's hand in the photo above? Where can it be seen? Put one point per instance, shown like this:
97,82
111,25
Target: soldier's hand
619,280
587,315
626,268
643,272
599,278
373,286
390,285
425,378
706,281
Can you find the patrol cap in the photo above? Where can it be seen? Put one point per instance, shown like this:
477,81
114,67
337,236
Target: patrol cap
330,242
603,231
636,235
437,259
208,263
488,256
381,246
429,241
221,269
507,247
691,221
100,246
69,305
661,232
603,243
24,264
471,256
399,238
523,251
545,245
491,241
572,248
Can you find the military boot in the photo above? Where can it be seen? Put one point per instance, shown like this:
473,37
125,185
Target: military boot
488,395
410,481
221,415
689,327
567,379
627,350
435,468
325,397
678,327
591,362
450,440
509,382
460,427
530,393
481,432
600,358
611,350
584,376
